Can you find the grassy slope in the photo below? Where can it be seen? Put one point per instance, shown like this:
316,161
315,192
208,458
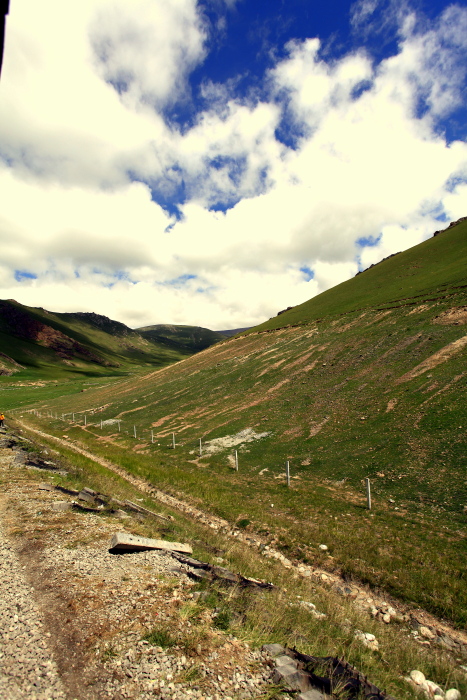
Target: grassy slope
339,399
430,268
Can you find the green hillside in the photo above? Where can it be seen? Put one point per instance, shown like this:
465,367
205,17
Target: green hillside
189,338
433,268
368,380
37,342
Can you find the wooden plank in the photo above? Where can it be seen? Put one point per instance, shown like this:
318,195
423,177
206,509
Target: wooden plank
130,543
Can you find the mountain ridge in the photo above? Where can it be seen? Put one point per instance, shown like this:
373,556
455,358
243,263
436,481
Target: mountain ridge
74,343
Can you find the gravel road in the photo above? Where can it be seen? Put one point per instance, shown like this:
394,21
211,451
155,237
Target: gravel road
27,669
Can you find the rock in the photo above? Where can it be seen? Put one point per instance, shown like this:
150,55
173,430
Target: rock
386,618
447,642
323,547
45,487
452,694
368,639
417,677
433,688
130,543
426,632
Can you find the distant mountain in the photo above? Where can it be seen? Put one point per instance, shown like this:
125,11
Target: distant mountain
37,340
228,334
188,338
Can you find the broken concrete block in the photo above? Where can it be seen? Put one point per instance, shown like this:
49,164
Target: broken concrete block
45,487
130,543
85,496
293,678
146,511
225,574
273,649
199,574
89,491
284,660
313,694
62,505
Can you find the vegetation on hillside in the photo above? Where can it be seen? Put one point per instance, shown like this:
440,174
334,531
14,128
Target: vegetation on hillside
38,343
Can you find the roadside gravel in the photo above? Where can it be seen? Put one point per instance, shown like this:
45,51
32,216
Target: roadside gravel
74,616
27,669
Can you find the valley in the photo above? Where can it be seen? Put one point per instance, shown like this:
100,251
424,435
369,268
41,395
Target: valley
366,381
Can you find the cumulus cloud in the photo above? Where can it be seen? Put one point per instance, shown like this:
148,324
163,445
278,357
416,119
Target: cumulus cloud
89,156
146,49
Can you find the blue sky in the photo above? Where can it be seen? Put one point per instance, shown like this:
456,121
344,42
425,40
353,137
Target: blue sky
214,162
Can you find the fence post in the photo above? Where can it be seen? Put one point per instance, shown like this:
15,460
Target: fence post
152,435
236,460
368,493
287,472
134,431
85,419
173,440
200,448
119,426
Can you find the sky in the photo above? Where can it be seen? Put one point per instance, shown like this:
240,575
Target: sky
211,163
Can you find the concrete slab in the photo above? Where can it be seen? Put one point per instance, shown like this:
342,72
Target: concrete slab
273,649
130,543
313,694
297,680
85,496
62,505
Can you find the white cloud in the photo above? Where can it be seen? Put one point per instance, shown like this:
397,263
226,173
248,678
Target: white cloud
368,163
147,48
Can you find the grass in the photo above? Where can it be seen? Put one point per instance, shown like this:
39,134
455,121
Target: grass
160,637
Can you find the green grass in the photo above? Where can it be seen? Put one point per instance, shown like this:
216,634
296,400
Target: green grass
160,637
